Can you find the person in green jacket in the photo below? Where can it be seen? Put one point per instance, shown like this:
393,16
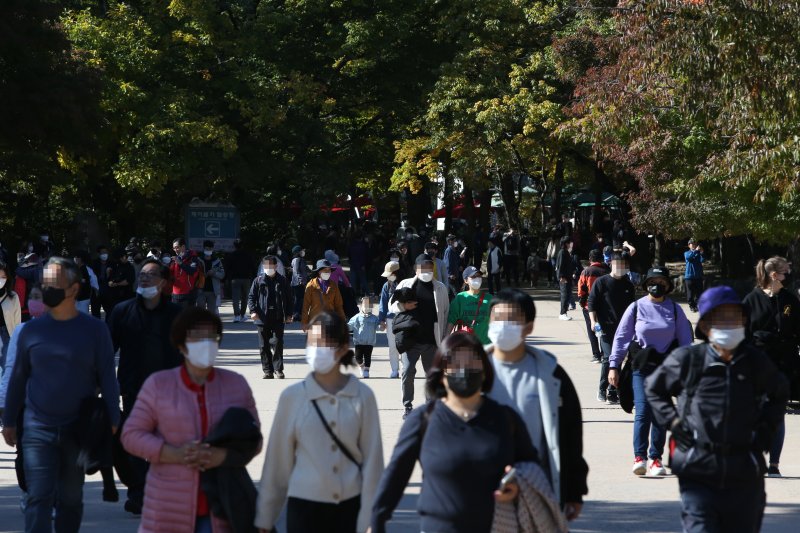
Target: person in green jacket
470,308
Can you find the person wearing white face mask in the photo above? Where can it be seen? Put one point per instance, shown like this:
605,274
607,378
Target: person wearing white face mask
10,311
532,382
731,400
271,306
469,310
324,451
210,294
430,308
157,429
140,331
321,294
386,317
609,297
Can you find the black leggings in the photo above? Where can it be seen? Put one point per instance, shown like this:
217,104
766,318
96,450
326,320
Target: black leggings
304,516
364,354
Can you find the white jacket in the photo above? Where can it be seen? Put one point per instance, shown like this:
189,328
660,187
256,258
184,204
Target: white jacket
440,297
12,314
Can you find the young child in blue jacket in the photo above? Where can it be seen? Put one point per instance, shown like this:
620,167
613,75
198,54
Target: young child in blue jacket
364,326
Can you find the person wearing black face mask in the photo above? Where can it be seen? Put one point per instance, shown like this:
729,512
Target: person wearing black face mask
469,441
654,325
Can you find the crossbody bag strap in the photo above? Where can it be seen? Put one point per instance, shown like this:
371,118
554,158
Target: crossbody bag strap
477,311
696,361
339,443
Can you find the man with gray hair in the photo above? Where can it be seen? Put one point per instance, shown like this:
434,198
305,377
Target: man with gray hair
61,359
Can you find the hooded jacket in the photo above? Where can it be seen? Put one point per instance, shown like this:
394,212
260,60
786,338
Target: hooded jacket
727,410
258,299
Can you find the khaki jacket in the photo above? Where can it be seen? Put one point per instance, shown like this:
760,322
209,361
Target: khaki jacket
315,301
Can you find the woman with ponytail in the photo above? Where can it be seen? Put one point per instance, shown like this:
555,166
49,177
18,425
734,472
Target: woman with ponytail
774,326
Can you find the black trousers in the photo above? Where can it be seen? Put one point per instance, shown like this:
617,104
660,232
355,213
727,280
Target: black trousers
305,516
707,509
566,290
694,288
137,467
494,282
271,361
364,354
596,352
511,268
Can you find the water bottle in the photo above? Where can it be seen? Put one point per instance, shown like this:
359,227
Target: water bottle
598,330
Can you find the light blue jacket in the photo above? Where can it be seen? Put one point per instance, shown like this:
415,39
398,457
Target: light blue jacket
364,328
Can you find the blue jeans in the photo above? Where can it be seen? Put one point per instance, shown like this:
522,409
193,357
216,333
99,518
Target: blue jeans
54,479
777,444
203,524
643,423
606,342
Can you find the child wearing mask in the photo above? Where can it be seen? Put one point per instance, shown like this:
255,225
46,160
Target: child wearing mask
364,326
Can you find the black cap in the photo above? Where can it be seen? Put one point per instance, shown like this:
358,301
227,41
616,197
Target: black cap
657,272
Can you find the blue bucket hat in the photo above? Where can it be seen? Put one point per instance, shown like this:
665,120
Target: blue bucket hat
713,298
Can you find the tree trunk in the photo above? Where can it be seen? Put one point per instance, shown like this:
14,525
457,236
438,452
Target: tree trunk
485,198
558,185
419,206
470,215
447,193
509,196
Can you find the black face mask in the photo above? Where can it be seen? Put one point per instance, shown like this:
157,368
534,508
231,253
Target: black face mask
657,291
52,296
465,384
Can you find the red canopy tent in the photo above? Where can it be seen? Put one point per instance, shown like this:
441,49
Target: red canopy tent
459,210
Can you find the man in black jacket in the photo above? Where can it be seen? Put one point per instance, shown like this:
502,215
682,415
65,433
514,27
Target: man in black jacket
565,272
140,330
731,398
240,267
271,306
531,381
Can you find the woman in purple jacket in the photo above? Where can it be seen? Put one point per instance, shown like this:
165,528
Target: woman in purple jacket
656,322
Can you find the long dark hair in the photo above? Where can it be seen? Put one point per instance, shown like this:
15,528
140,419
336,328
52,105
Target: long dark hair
434,386
6,290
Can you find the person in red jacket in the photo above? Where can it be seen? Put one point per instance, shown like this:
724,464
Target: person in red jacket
596,269
186,269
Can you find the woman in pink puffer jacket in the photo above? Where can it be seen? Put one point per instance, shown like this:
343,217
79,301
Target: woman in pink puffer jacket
174,411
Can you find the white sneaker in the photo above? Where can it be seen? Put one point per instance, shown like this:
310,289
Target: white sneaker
394,375
564,317
236,319
655,468
639,466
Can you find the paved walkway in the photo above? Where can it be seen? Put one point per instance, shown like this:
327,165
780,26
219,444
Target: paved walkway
617,500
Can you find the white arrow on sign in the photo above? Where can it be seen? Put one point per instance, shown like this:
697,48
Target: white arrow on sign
212,229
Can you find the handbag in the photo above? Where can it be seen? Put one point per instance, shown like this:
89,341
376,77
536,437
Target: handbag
336,440
461,326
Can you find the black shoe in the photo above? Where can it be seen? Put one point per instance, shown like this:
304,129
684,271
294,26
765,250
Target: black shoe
601,396
279,374
773,471
268,375
110,494
612,398
595,359
133,507
407,412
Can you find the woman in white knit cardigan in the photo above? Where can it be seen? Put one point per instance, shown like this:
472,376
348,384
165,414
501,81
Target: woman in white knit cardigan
324,450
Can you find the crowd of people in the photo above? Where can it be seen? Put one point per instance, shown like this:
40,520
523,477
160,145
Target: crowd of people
501,423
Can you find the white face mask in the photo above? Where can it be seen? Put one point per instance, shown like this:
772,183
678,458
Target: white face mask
392,278
148,293
202,354
208,253
475,283
270,271
325,276
426,277
506,336
620,272
302,253
727,339
321,359
166,260
3,282
395,259
103,257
